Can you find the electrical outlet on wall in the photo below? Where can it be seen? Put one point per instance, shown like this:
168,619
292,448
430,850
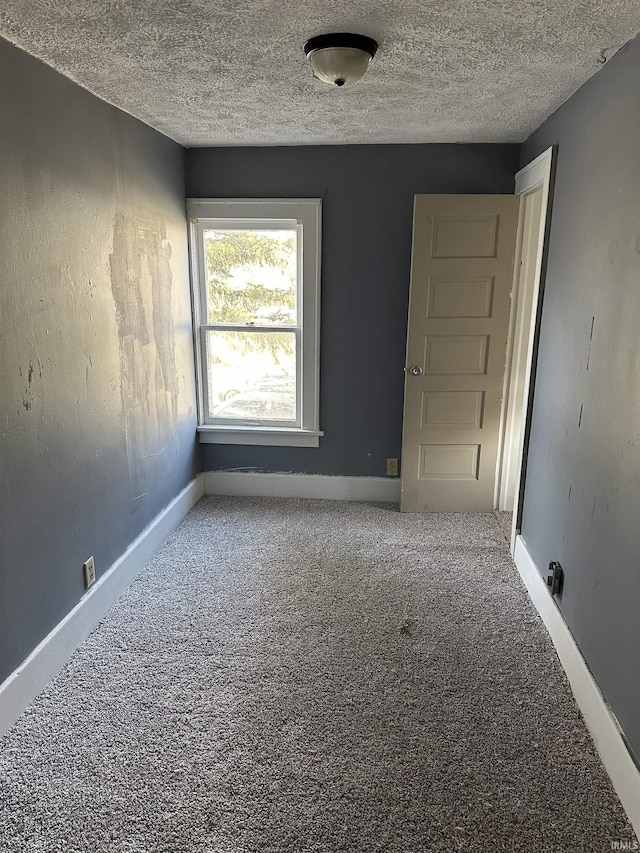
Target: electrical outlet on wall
555,578
89,568
392,467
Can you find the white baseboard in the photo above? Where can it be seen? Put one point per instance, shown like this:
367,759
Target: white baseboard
48,658
601,722
249,484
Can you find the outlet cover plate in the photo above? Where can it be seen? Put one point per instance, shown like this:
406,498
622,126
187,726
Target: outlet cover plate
89,568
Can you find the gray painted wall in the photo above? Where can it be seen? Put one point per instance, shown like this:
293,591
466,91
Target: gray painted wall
367,193
97,412
582,497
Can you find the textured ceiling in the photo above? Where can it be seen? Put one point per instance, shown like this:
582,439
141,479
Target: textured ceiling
233,72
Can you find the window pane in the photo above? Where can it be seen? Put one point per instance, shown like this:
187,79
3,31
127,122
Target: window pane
251,276
252,375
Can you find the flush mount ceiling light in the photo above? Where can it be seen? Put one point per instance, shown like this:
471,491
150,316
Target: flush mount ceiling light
340,58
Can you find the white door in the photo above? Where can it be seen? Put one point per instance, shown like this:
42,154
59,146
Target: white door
461,278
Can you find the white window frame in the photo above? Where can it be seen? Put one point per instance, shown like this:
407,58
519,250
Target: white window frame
306,215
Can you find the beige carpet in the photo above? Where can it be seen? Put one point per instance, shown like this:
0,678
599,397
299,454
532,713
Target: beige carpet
312,677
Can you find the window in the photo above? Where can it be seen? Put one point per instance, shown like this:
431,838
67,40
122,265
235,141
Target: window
255,267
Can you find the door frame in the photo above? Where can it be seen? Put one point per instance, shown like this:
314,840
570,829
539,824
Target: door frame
538,174
527,250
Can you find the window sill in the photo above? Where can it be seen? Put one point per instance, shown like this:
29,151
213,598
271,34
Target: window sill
276,437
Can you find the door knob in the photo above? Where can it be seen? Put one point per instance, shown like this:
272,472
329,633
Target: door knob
416,370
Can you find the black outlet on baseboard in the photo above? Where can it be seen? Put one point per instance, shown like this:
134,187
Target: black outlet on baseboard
555,578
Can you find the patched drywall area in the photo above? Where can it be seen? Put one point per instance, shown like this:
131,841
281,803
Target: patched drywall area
98,411
141,284
233,72
582,494
367,206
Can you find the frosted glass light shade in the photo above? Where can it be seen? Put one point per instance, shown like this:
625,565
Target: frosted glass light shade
339,65
340,58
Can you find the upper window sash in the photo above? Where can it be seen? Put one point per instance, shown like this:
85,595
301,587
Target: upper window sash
204,225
